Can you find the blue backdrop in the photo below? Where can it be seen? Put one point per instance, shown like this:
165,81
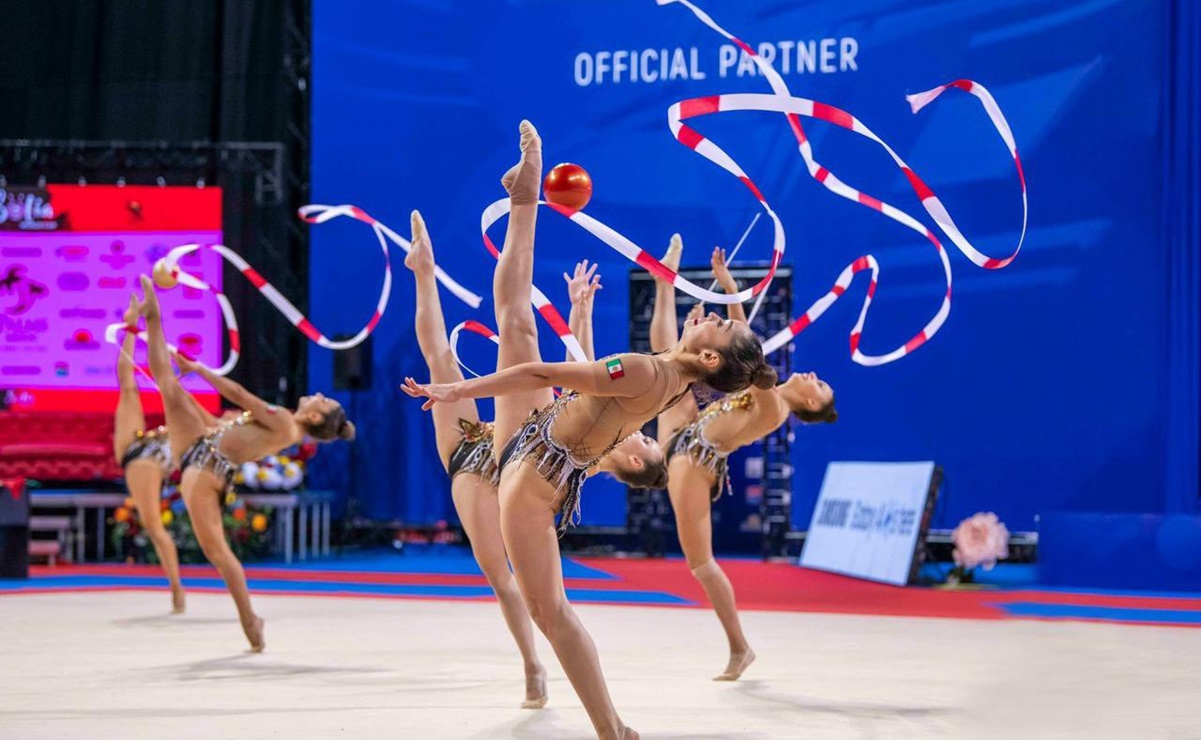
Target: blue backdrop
1046,389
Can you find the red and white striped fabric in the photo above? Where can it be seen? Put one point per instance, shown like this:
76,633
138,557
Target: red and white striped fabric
319,214
114,332
483,330
640,256
819,307
542,304
475,327
782,101
314,214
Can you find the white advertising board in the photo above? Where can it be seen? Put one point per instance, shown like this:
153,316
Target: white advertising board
867,519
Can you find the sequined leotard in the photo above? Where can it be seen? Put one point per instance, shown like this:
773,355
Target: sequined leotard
150,445
557,464
690,440
205,453
474,452
553,462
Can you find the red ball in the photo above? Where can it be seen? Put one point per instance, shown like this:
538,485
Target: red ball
568,185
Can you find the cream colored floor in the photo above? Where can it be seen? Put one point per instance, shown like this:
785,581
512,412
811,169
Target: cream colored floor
111,665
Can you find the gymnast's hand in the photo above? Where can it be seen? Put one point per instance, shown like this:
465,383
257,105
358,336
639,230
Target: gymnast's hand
721,272
433,392
583,284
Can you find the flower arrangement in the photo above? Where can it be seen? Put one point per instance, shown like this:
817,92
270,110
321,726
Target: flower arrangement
246,527
271,474
276,472
980,540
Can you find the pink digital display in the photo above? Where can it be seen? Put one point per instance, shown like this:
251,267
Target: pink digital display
69,258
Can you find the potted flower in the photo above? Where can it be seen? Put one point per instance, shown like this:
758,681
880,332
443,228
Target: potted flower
980,540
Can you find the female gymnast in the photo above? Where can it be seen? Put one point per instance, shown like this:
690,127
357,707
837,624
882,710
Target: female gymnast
145,454
208,456
465,446
553,445
699,443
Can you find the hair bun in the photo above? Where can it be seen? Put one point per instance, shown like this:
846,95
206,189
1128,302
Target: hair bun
661,481
346,431
764,377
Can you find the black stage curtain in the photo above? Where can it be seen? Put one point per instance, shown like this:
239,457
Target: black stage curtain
142,70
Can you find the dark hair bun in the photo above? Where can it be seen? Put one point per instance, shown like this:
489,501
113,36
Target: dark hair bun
661,481
742,365
764,377
346,431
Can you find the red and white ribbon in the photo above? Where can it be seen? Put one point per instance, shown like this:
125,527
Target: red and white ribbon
319,214
542,304
475,327
483,330
640,256
113,332
782,101
314,214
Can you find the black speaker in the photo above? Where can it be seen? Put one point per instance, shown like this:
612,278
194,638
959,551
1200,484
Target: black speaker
352,367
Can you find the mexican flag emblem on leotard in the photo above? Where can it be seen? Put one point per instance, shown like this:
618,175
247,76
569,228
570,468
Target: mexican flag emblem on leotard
615,369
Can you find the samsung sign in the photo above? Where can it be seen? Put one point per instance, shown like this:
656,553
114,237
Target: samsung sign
868,518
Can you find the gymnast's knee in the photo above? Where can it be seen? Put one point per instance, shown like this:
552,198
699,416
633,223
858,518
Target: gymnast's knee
705,570
548,615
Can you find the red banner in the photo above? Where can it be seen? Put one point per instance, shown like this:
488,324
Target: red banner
78,399
108,208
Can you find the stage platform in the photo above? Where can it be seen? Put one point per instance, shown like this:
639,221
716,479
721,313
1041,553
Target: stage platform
410,645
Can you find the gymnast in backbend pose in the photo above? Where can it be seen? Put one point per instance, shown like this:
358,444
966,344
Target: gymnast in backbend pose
699,443
208,456
465,446
552,445
145,454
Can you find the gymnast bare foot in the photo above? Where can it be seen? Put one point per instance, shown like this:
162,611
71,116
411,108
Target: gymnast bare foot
675,248
254,633
524,180
535,689
148,307
421,257
628,734
178,605
739,662
132,312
